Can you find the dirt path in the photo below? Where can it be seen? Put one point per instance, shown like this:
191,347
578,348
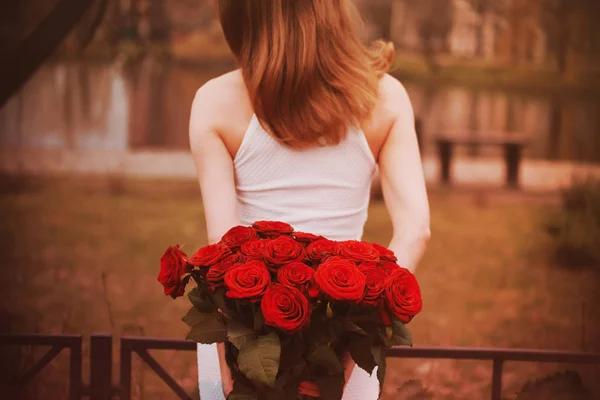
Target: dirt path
536,175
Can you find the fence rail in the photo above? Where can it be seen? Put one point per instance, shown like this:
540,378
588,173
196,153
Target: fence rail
497,356
57,344
101,386
141,345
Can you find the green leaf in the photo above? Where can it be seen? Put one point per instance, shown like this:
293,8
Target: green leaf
377,351
208,331
326,357
201,301
259,320
259,359
381,368
331,387
401,336
241,391
242,396
336,328
276,394
221,302
238,334
360,314
350,326
282,379
292,350
360,348
329,311
195,316
318,332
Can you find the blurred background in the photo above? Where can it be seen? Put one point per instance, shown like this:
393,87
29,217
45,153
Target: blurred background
97,180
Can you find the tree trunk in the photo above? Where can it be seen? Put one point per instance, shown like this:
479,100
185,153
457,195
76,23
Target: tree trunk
474,123
553,150
157,124
480,33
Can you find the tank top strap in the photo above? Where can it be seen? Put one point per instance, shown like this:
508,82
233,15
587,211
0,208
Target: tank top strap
257,136
254,129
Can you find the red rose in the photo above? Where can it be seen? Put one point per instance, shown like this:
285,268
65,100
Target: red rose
384,314
173,270
403,295
298,275
253,249
281,251
376,277
384,252
341,279
286,308
273,228
358,251
306,238
216,274
247,281
389,266
321,249
210,255
238,235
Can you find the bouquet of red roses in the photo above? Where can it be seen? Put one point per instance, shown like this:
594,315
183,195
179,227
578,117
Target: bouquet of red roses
289,305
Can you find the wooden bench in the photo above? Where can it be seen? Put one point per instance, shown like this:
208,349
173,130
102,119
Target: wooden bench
512,145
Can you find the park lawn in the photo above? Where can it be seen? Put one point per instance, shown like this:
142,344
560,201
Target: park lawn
81,256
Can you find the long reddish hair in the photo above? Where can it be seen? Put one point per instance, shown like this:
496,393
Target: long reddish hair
309,75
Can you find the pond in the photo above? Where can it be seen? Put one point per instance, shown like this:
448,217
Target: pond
104,107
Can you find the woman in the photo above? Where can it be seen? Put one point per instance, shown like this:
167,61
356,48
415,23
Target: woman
296,135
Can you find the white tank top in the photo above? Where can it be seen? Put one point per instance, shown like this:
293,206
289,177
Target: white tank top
321,190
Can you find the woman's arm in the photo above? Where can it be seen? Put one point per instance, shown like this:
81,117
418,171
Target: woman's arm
215,172
403,182
214,165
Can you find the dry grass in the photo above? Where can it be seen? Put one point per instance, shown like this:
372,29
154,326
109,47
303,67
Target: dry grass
486,278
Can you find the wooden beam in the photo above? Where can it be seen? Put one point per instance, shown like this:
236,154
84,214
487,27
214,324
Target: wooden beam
20,64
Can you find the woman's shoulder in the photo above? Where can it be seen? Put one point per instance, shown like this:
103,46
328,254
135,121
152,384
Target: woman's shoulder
221,99
392,93
222,106
223,91
393,103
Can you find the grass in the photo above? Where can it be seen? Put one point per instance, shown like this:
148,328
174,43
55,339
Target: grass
482,74
81,256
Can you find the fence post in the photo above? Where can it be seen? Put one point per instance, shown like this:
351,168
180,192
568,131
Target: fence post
445,157
101,367
419,131
75,377
497,379
512,155
125,370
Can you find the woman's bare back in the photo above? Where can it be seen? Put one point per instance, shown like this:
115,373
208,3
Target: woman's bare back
221,114
231,96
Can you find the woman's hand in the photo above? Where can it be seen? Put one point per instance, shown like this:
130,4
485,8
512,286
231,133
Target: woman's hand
226,378
227,386
348,364
311,389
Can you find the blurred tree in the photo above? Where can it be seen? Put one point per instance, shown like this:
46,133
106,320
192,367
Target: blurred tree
189,15
570,27
486,9
35,38
434,27
378,13
526,37
517,15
